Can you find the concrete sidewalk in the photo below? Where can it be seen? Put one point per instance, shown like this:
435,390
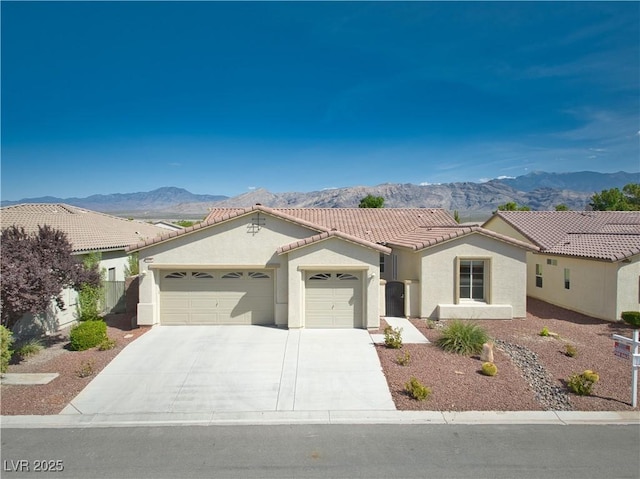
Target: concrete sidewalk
558,418
410,334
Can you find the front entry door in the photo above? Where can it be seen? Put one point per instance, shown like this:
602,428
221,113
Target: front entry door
394,299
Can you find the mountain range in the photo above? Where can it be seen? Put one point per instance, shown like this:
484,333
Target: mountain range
473,201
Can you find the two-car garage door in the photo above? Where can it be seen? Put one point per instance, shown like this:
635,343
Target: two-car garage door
217,297
332,299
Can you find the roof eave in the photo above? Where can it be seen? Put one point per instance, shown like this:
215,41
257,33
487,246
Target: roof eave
171,235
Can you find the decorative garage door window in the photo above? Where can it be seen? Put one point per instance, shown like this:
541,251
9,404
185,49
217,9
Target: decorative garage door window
177,275
232,275
205,275
185,275
346,277
199,275
327,276
320,277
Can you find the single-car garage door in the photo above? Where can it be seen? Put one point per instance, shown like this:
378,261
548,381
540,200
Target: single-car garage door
217,297
333,300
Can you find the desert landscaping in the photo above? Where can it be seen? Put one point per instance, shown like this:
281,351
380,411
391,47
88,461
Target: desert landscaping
532,369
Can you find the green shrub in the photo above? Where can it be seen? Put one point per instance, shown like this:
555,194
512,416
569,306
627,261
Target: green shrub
107,344
544,332
489,369
87,335
393,337
570,350
462,337
133,267
29,348
86,369
89,298
582,384
6,339
431,324
416,390
403,359
632,318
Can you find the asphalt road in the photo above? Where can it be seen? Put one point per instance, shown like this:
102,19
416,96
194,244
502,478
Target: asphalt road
325,451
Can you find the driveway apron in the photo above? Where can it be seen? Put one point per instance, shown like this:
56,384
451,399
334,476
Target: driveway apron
185,369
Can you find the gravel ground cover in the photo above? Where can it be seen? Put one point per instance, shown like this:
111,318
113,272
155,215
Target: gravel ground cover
532,369
56,358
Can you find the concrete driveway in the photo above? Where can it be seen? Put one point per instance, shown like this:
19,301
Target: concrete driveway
186,369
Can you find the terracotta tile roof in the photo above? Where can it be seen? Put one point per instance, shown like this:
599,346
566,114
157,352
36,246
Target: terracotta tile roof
425,237
332,234
224,214
86,230
607,246
415,228
377,225
608,235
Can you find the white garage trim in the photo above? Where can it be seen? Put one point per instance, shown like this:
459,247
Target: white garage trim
342,267
333,299
217,296
210,266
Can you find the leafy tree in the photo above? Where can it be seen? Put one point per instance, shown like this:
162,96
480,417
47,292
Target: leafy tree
35,269
371,201
562,207
513,206
91,296
615,200
133,267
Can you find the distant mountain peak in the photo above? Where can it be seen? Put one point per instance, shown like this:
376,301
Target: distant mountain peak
538,189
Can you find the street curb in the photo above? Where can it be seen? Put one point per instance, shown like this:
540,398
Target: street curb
323,417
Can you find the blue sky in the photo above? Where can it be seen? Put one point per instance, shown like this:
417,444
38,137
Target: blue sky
223,97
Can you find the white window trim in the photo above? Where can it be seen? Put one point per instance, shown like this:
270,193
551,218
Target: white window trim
486,280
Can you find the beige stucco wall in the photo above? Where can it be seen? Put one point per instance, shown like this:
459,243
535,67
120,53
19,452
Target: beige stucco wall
231,244
334,255
114,259
498,225
507,276
601,289
236,244
52,320
628,286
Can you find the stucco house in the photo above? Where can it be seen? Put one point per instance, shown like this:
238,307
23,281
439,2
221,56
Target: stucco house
588,261
87,231
329,268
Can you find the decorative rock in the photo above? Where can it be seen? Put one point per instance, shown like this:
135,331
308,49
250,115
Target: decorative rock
552,398
487,353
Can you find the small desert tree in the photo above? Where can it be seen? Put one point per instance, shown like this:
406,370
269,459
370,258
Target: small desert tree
35,269
371,201
91,295
513,206
133,267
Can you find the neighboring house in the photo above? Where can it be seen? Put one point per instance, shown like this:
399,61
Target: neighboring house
87,231
589,261
329,268
167,225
